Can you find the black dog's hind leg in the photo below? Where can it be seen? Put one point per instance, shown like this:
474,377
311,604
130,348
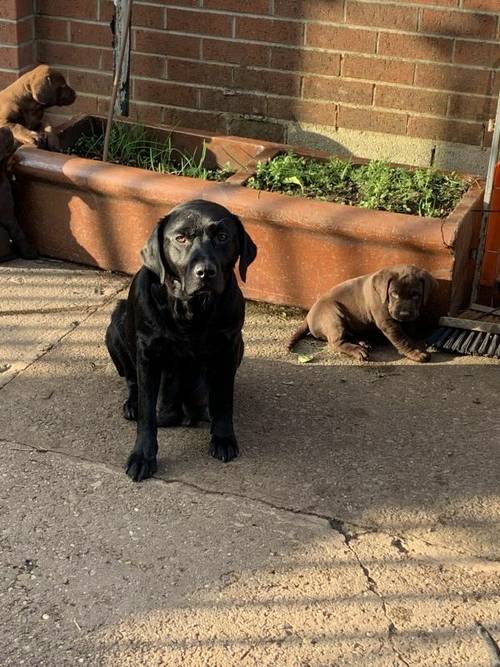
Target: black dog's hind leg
195,399
169,408
120,355
142,460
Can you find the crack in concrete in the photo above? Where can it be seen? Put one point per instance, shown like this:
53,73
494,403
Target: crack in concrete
392,630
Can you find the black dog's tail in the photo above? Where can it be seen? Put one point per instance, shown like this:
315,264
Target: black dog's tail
302,331
491,645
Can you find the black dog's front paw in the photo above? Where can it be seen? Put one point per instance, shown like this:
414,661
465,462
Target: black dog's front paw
139,467
130,409
224,449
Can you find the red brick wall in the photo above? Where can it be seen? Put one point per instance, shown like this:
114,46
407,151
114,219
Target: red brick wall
427,68
17,48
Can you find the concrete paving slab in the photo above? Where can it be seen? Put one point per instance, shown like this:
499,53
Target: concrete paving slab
395,464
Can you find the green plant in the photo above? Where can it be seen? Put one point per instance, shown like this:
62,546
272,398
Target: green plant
375,185
134,146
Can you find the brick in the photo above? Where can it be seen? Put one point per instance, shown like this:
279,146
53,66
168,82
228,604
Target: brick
91,34
161,92
377,69
16,33
149,16
106,10
148,65
312,10
243,6
370,119
449,77
277,83
458,24
106,60
187,71
445,3
69,54
415,47
194,119
17,57
233,101
340,39
445,130
323,113
485,5
381,15
90,82
338,90
145,113
165,44
246,127
256,55
83,104
82,9
469,107
6,78
15,9
269,30
51,28
319,62
411,99
199,23
477,53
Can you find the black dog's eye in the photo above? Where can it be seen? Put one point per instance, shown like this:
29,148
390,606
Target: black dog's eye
181,238
222,237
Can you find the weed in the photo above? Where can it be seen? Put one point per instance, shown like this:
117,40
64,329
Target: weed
375,185
134,146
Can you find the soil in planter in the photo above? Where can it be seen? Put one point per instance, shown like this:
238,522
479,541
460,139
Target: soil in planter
134,146
375,185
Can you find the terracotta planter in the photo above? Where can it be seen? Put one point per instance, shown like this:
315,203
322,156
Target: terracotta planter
100,214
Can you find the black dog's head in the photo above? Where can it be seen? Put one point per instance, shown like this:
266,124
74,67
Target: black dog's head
405,289
194,249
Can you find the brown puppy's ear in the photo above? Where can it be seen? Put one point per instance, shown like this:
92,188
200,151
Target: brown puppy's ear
429,283
248,249
152,253
381,282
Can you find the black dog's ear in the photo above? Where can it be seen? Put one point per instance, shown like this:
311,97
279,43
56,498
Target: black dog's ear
152,253
248,249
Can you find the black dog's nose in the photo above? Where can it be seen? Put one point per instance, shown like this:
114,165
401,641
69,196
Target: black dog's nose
205,270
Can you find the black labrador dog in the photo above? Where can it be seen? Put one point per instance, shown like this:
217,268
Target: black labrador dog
177,338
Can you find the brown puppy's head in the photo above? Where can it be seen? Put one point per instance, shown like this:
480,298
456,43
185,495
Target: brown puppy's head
7,143
404,289
49,88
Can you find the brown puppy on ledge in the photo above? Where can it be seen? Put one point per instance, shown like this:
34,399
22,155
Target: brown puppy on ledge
384,300
8,219
22,104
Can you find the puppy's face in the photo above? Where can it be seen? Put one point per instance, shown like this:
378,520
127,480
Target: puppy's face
49,87
405,298
7,143
195,248
404,289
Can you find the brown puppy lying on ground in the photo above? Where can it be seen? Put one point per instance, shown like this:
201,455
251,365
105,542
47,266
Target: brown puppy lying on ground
384,300
7,218
22,104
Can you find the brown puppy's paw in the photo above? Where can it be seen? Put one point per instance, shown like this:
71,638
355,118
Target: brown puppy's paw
358,352
139,467
418,355
224,449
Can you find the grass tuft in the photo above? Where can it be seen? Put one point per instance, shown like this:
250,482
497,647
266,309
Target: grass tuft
375,185
134,146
